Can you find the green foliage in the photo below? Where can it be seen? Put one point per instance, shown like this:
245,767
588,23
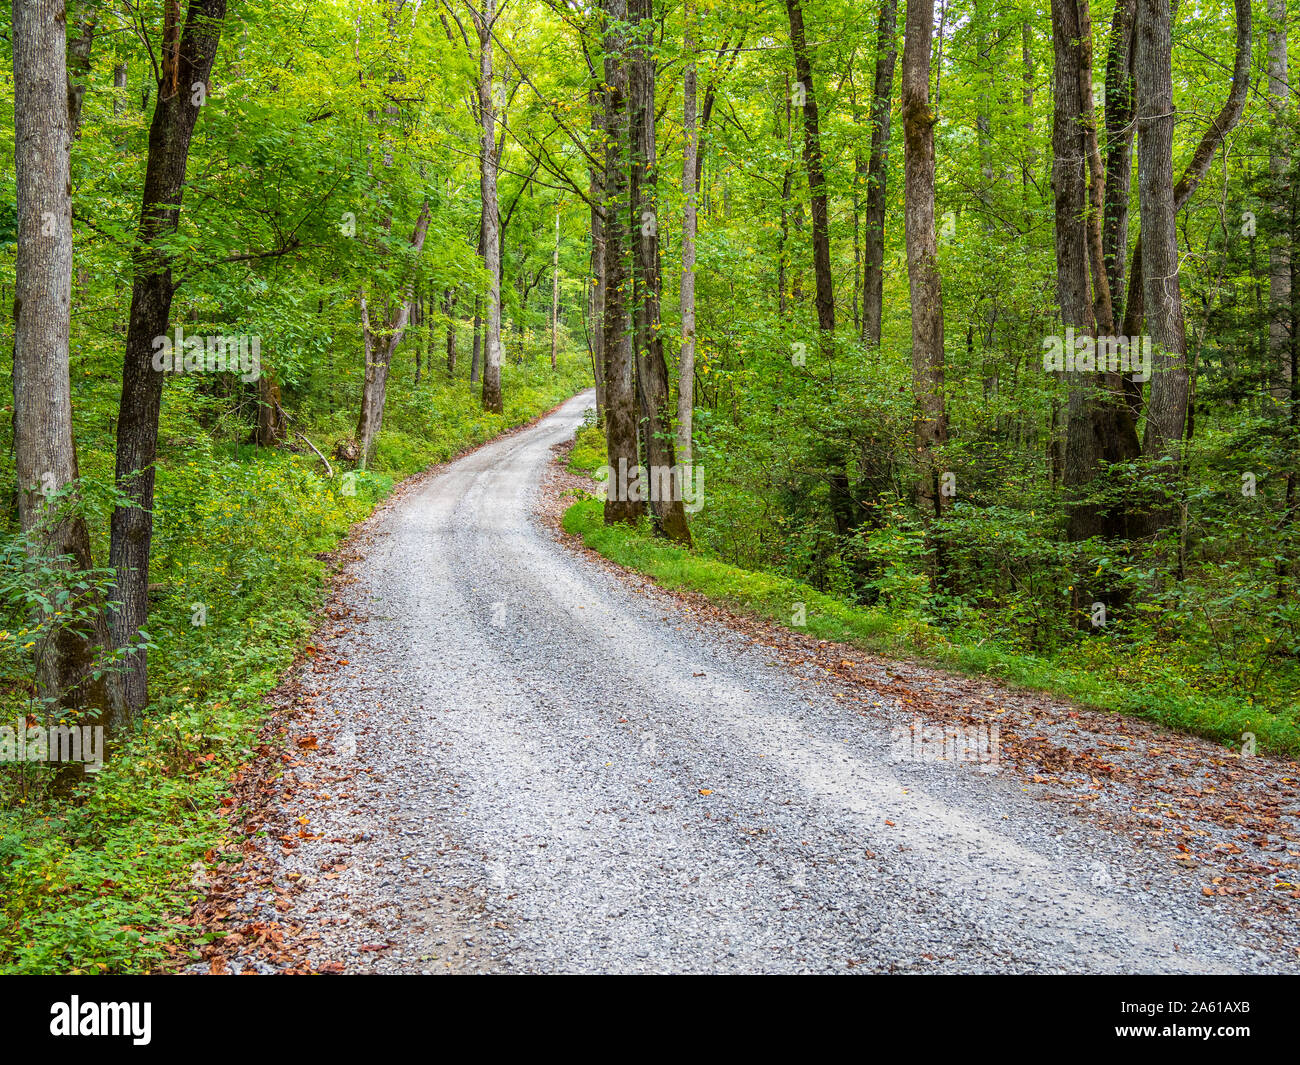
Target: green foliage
1117,675
93,881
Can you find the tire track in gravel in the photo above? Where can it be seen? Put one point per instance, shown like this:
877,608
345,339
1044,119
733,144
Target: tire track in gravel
539,769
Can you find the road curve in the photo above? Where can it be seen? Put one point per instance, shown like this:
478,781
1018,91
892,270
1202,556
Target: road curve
529,766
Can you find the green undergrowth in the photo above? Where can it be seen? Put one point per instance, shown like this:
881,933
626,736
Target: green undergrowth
1102,673
92,881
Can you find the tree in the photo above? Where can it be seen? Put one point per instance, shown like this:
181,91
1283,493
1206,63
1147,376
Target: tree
690,199
651,370
931,422
484,21
45,454
379,346
873,251
1281,327
813,162
620,394
188,55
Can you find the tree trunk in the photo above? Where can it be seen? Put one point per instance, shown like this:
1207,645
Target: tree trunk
596,314
1280,322
379,352
174,117
476,359
1162,299
119,88
45,454
78,62
873,252
272,427
1099,425
922,254
450,307
686,301
812,156
620,396
1167,409
555,290
652,369
491,235
1119,151
1078,241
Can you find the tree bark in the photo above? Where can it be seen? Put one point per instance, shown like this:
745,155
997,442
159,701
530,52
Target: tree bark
555,290
812,156
1167,409
922,255
491,236
669,515
174,118
620,395
686,295
596,301
379,351
1281,323
45,453
272,428
1170,386
873,251
1120,129
450,308
1099,424
84,22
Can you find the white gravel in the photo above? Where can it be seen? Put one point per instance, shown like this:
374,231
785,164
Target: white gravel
515,753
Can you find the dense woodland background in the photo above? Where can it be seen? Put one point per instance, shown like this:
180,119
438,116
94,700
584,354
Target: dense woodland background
814,247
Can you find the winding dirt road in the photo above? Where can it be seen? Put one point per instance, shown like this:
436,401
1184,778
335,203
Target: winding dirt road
505,757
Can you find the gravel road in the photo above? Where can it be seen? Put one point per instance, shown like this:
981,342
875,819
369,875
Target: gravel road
526,764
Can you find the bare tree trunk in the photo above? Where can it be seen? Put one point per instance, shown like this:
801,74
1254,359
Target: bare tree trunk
379,352
491,235
187,64
690,149
555,290
787,186
1027,101
873,254
1099,424
272,427
922,254
1211,139
450,307
1167,409
812,156
620,396
596,332
1119,150
45,453
1071,154
1170,387
78,62
476,360
119,88
1281,325
652,368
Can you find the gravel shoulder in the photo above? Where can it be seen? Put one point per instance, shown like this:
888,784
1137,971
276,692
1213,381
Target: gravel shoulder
502,754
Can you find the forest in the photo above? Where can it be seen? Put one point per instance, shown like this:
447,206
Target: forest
961,329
